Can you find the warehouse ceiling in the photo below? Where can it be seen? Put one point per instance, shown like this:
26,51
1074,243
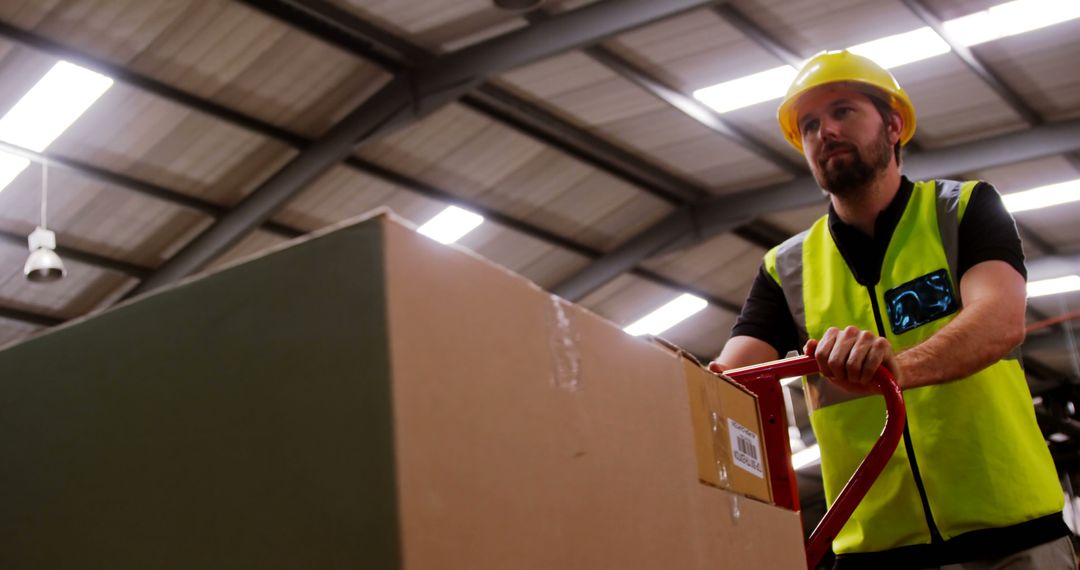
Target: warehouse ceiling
234,126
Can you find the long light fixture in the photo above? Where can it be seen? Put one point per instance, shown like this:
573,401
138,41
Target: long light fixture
748,90
451,224
1010,19
10,167
806,457
667,316
47,110
1043,196
893,51
1057,285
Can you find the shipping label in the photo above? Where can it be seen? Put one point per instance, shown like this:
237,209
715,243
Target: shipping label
745,450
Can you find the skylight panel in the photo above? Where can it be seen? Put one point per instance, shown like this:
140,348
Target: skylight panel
749,90
890,52
894,51
806,457
451,224
1043,196
1054,286
52,105
46,111
1010,19
10,167
667,316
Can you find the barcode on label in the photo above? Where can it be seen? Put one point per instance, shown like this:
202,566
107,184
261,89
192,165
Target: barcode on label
745,449
746,446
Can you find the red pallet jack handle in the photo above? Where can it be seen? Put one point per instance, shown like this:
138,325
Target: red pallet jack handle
764,381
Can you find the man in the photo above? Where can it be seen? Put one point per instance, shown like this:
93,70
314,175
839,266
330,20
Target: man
926,278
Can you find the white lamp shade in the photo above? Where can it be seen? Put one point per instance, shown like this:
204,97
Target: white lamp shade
43,266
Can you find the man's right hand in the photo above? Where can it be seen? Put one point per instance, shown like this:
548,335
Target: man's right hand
850,357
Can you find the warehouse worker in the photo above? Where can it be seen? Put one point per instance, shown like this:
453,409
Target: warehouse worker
927,278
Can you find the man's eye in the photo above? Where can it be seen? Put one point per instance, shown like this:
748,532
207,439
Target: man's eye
809,126
839,112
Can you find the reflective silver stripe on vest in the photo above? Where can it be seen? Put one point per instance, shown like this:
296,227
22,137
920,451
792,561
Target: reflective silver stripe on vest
948,221
789,267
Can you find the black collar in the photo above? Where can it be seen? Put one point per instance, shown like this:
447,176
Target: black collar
864,254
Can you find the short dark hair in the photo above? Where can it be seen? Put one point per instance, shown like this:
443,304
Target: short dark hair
886,111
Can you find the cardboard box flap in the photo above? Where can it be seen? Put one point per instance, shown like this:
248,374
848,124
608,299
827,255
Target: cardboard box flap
727,430
686,355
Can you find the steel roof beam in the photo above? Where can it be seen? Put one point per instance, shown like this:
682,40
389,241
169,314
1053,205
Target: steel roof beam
316,16
694,109
526,117
758,35
339,26
29,317
129,184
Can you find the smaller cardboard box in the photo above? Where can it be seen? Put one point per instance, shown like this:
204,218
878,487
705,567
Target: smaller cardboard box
727,433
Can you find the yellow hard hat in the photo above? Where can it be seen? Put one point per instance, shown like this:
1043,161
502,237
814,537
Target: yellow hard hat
843,67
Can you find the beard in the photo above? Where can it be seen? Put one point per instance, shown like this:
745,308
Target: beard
854,172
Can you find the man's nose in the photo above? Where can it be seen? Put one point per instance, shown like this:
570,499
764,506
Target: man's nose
829,129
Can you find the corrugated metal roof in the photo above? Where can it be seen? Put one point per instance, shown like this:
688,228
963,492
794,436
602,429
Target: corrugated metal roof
160,142
220,50
270,70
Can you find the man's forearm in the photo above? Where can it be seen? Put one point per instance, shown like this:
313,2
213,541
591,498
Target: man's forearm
975,339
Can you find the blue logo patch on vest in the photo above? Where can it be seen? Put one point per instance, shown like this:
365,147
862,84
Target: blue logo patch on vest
920,301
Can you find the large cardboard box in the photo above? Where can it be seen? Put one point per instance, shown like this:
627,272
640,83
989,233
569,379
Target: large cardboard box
367,398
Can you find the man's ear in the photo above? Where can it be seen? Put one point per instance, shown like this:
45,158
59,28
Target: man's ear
894,127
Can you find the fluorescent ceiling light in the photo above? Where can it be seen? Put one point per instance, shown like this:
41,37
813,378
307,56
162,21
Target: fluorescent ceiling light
749,90
1010,19
52,105
667,316
901,49
806,457
10,167
893,51
451,225
1053,286
1043,196
47,110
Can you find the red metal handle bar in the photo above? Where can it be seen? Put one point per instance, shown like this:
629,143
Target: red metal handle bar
764,380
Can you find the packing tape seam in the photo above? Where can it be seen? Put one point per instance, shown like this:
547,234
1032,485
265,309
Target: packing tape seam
563,348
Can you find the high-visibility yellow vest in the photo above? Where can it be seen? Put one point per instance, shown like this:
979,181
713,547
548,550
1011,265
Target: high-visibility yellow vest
973,456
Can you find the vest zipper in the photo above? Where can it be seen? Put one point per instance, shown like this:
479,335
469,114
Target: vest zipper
935,536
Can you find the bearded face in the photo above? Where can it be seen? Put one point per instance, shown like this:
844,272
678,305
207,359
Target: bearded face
846,139
843,167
